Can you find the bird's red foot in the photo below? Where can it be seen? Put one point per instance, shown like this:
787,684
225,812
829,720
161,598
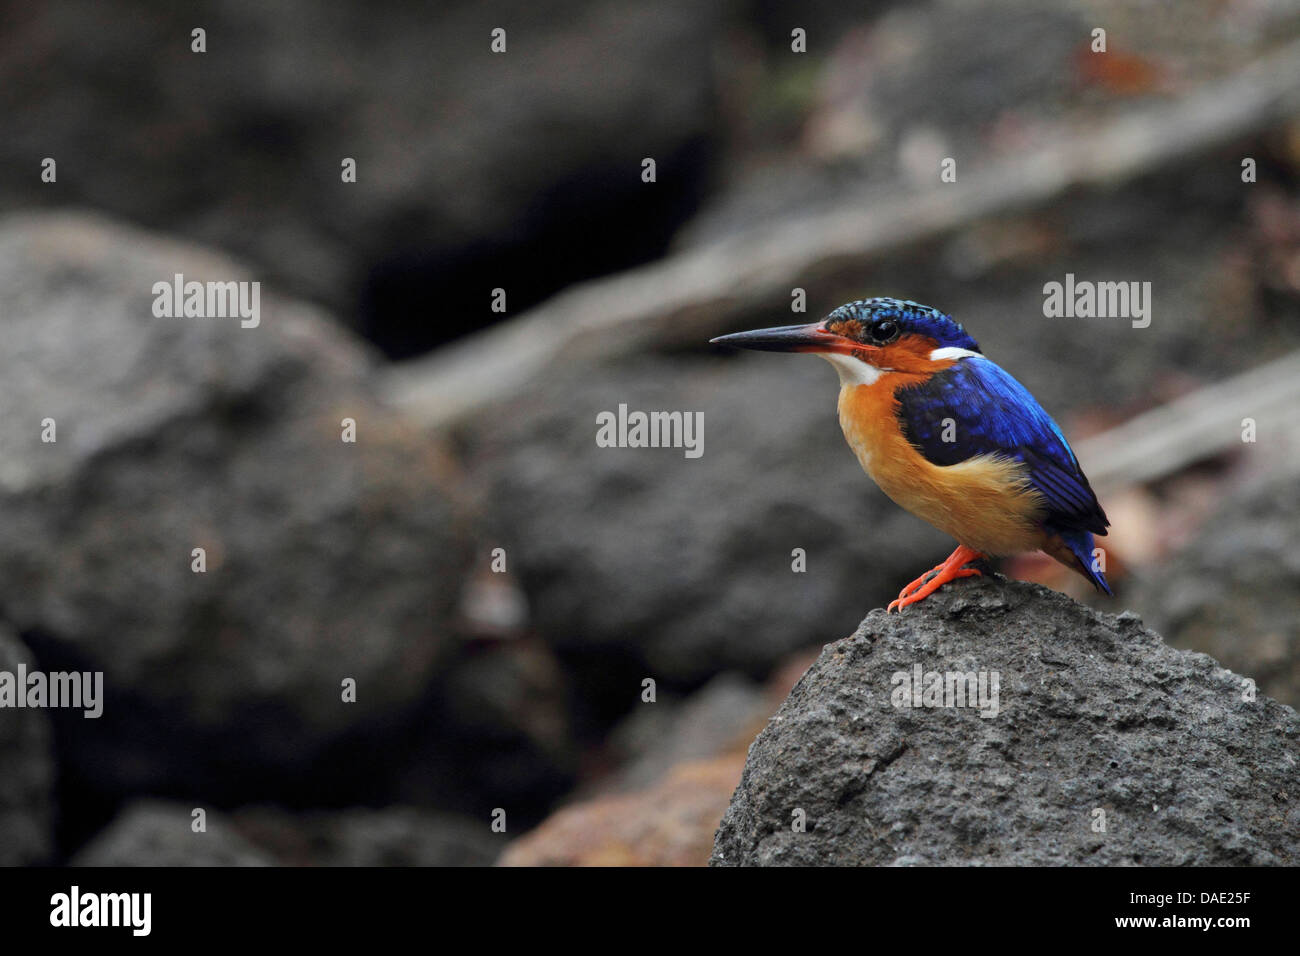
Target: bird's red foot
950,570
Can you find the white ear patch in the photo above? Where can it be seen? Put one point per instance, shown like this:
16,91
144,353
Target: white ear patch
951,352
853,371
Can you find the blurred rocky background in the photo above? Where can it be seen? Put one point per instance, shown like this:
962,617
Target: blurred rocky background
522,692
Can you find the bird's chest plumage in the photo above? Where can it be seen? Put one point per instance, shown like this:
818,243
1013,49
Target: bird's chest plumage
870,425
984,502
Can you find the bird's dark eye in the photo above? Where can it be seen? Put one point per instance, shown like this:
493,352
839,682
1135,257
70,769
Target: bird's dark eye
884,331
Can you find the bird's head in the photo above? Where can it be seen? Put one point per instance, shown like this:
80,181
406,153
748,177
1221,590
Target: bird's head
866,338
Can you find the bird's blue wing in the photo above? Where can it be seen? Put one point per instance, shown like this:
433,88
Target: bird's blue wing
975,408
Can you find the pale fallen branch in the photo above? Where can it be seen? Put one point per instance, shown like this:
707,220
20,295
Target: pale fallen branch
702,286
1201,425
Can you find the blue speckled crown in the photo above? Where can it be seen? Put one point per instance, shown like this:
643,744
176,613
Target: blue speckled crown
912,316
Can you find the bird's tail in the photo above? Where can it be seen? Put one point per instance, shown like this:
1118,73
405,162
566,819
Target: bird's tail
1080,544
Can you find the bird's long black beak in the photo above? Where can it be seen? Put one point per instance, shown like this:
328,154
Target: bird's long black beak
785,338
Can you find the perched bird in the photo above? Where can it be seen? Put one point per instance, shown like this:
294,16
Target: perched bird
950,436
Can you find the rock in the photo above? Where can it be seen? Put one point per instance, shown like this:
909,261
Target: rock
1096,722
324,560
466,160
670,824
391,836
1233,590
157,833
27,782
698,552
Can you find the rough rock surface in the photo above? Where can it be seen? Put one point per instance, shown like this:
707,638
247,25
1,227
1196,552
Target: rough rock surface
324,560
156,833
26,771
1098,722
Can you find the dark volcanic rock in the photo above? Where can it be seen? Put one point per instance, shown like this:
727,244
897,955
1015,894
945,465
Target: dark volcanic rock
1098,721
26,771
324,560
155,833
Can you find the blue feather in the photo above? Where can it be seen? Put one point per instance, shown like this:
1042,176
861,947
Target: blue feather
1080,544
983,410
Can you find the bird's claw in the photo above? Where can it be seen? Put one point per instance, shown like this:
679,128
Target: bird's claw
925,585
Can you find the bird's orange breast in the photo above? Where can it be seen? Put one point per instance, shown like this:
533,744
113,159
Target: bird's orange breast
985,502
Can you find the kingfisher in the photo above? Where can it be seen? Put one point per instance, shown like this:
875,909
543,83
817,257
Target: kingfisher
950,436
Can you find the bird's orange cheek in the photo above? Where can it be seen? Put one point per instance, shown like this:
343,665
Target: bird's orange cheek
909,354
867,353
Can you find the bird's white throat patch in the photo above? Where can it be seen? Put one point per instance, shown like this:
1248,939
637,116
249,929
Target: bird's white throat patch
853,371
